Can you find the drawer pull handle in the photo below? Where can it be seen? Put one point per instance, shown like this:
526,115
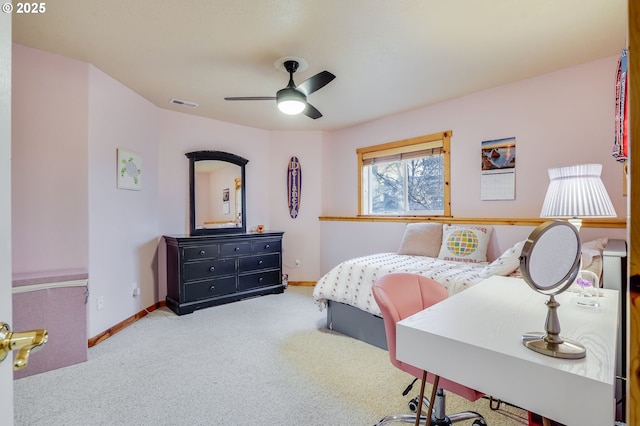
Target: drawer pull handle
202,252
237,249
213,287
212,269
260,262
260,279
267,246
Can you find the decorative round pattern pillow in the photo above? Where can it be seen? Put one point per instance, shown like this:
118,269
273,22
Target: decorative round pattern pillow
465,243
462,242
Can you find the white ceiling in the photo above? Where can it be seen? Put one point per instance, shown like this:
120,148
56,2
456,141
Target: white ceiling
388,56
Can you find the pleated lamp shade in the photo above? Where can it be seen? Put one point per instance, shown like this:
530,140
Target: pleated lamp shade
577,192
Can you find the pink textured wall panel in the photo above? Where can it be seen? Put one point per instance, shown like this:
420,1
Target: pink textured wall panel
62,312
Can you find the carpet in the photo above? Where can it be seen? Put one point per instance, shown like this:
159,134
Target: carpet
363,376
265,360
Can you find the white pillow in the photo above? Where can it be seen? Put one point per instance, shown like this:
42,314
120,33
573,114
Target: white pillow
506,263
592,249
421,239
591,259
465,243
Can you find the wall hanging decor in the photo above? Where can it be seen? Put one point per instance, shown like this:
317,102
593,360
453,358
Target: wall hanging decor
498,179
294,186
621,121
129,170
621,136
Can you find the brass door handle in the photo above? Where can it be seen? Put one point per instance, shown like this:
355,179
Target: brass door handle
24,342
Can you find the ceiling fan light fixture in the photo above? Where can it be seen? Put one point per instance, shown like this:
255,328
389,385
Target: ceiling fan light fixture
291,107
290,101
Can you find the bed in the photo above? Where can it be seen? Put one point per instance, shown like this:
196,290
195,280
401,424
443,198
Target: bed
345,291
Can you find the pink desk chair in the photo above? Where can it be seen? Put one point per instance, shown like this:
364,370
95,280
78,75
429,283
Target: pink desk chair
400,295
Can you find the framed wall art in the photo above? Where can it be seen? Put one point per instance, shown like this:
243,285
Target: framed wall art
129,170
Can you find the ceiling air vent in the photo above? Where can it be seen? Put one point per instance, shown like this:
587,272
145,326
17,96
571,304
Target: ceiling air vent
183,103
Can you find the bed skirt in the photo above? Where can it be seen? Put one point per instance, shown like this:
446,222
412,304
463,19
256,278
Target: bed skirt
356,323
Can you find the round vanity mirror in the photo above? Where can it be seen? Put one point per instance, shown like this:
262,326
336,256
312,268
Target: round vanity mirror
550,263
550,259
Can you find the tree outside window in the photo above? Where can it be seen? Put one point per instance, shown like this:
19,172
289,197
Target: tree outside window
406,178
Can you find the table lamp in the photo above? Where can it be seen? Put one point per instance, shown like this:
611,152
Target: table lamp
576,192
550,259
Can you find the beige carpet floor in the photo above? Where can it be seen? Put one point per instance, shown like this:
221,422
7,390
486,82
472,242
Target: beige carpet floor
364,377
266,360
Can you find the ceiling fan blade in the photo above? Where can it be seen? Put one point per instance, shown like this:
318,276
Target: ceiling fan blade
315,82
250,98
311,111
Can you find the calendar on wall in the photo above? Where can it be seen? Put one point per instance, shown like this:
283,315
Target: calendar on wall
498,176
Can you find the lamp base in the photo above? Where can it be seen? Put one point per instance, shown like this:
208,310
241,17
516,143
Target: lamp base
566,349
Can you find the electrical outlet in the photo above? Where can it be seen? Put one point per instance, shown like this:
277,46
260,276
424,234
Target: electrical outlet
136,291
296,263
100,302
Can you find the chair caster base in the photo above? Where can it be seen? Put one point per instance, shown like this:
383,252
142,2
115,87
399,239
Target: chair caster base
413,405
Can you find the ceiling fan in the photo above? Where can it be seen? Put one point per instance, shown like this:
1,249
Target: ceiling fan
293,99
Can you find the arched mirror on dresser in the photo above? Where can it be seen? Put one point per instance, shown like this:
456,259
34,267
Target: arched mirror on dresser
219,262
217,193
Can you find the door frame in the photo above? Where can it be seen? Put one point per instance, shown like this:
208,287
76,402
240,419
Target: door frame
6,370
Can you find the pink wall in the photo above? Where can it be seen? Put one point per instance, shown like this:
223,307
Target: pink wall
49,162
202,181
123,224
181,133
303,232
221,180
561,118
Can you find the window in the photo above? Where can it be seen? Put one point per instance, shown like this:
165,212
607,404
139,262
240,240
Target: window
405,178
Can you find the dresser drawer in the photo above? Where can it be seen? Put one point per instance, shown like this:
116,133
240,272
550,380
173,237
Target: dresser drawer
254,263
231,249
208,269
266,246
260,279
209,288
202,252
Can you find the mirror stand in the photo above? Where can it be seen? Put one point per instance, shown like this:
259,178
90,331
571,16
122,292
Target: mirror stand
551,343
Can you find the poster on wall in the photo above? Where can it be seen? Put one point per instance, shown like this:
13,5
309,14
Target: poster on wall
498,178
129,170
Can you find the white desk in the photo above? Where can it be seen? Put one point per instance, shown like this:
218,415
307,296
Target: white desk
474,338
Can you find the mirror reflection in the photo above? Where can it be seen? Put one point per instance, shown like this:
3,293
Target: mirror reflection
217,192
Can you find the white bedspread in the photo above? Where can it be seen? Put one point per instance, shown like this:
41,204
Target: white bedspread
351,281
